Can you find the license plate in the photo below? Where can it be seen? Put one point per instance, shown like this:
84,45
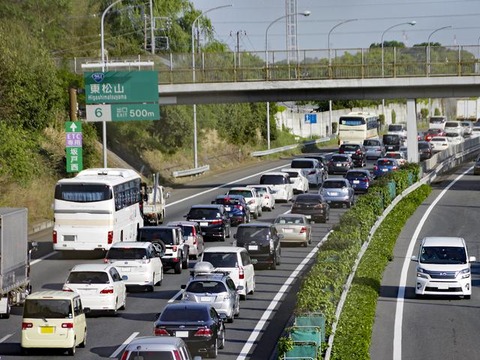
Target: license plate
227,208
253,247
443,286
204,224
205,299
182,334
356,181
384,170
68,237
204,233
338,164
333,193
46,329
288,230
126,269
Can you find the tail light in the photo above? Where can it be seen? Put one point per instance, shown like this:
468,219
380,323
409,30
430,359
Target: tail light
54,237
68,325
176,354
241,273
110,237
161,332
125,355
303,230
106,261
204,332
216,222
27,325
65,288
266,196
358,152
194,232
240,207
108,290
394,168
174,248
375,167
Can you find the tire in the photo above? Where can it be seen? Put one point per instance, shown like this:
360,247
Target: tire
71,351
124,305
186,262
83,344
278,259
178,268
214,352
222,340
24,351
255,215
274,264
244,297
229,234
224,236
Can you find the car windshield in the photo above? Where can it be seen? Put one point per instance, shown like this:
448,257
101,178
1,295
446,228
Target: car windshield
126,253
221,259
333,184
51,308
289,220
273,179
87,277
244,193
443,255
155,234
184,314
249,233
201,287
198,213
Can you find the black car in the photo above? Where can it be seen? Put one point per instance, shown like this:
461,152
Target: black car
340,164
236,207
393,142
199,325
313,206
261,241
213,219
356,151
425,150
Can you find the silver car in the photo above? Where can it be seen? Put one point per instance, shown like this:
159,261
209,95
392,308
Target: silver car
374,148
293,228
157,347
338,192
214,287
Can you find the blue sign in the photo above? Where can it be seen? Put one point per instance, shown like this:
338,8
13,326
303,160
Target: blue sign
310,118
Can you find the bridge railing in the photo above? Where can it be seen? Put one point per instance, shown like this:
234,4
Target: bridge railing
417,61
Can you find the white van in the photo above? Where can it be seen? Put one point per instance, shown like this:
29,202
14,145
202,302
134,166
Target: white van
443,267
280,183
53,319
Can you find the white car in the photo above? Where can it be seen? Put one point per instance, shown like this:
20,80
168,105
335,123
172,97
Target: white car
192,236
139,261
439,143
280,183
314,171
475,131
299,180
267,194
443,267
237,262
399,155
100,286
455,138
454,127
252,198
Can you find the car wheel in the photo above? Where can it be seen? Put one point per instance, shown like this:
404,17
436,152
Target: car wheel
224,235
278,259
186,262
124,304
222,339
71,351
178,268
255,214
213,353
305,244
83,344
467,297
229,234
274,263
24,351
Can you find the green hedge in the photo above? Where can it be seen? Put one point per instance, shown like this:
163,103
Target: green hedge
323,285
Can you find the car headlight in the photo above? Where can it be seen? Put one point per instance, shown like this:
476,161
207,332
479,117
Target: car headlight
422,273
464,274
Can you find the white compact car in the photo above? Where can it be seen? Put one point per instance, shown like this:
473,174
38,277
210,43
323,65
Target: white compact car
443,267
139,261
100,286
280,183
237,262
252,198
299,180
267,194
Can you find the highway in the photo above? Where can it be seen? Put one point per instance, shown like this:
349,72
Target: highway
255,325
431,327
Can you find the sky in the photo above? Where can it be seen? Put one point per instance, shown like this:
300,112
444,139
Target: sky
251,18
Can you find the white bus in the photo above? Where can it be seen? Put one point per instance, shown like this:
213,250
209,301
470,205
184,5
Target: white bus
96,209
357,126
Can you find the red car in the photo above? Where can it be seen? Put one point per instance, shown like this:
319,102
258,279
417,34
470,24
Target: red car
430,133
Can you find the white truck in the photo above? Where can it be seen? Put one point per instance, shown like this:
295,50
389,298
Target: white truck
14,259
468,109
154,202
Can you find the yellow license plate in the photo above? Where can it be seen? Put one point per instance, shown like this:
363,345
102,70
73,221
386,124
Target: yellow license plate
47,329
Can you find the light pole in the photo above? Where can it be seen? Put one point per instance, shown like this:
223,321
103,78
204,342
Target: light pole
412,23
428,46
195,149
304,13
102,49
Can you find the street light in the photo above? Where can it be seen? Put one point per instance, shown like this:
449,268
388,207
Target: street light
102,49
428,46
304,13
195,151
412,23
328,37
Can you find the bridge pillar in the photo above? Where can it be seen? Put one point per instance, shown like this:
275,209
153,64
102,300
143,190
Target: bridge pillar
412,141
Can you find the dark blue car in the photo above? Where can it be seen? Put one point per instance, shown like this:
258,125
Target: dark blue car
384,166
236,207
360,180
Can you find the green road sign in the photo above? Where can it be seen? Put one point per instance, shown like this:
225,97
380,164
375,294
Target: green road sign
123,112
73,145
115,87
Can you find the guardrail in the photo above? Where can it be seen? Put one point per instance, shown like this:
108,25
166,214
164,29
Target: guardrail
189,172
288,147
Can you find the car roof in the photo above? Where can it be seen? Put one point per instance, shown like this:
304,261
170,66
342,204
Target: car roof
53,294
206,206
308,196
182,223
256,224
275,173
91,267
300,171
290,215
231,196
443,241
131,244
304,158
153,341
158,227
187,305
224,249
240,188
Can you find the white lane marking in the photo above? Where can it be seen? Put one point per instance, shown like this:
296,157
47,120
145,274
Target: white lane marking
42,258
397,332
175,296
124,344
283,290
5,338
221,186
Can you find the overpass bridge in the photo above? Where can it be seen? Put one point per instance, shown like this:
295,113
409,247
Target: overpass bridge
328,74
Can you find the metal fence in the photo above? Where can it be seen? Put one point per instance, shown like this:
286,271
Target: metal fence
418,61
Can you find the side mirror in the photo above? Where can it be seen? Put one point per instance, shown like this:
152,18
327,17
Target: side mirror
183,287
472,259
86,310
239,287
223,317
254,261
124,277
414,258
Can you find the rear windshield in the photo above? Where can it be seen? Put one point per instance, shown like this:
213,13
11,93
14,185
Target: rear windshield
126,253
244,193
154,235
179,314
246,234
292,174
333,184
452,124
391,139
221,259
437,120
273,179
88,277
289,220
302,164
308,199
83,193
385,162
198,213
339,158
355,175
349,147
443,255
212,287
371,143
423,145
395,127
47,308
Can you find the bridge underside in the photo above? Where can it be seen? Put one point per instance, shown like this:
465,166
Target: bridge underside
304,90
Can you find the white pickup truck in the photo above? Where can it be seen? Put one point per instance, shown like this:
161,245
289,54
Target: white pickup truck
154,202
